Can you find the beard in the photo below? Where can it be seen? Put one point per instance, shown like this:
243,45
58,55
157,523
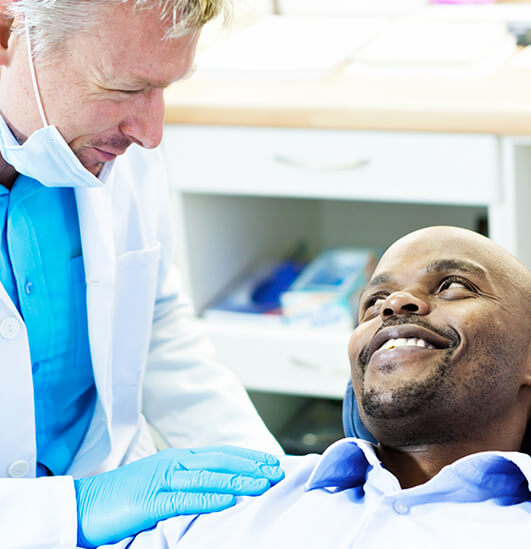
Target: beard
418,412
402,414
464,393
412,397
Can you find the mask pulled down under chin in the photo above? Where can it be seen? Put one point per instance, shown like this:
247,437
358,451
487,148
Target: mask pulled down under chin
46,157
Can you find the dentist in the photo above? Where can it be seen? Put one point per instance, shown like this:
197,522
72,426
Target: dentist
95,334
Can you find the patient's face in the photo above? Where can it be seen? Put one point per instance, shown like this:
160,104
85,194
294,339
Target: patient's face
444,334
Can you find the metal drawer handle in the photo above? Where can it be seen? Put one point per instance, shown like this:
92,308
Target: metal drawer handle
293,162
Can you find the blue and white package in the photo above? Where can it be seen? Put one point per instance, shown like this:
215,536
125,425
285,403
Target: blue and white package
326,293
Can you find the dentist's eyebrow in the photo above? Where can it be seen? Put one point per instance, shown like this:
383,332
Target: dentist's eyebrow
443,265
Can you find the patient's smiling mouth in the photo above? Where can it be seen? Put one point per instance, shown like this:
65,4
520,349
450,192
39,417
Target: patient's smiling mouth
407,338
409,335
395,343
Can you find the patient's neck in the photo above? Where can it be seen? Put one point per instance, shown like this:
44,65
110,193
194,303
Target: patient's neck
413,465
416,448
416,465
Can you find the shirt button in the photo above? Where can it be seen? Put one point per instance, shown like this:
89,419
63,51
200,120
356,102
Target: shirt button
28,288
400,507
18,469
9,328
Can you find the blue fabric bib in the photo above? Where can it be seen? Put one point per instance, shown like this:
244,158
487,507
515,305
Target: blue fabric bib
41,268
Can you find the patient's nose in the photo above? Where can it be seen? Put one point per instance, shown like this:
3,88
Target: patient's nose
403,303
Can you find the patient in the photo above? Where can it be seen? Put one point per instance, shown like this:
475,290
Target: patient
441,368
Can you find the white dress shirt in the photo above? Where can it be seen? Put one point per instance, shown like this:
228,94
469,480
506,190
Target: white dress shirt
347,499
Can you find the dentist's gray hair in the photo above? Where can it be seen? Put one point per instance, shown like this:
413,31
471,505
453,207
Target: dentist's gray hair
51,22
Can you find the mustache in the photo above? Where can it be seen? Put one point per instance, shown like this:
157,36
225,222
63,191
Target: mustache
449,333
116,142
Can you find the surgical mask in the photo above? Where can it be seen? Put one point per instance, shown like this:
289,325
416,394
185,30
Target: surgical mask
45,155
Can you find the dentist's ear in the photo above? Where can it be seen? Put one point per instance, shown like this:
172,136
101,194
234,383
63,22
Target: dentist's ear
6,23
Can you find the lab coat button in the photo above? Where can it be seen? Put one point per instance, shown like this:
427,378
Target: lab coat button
9,328
18,469
400,507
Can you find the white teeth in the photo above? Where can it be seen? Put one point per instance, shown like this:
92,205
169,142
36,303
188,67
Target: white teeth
402,342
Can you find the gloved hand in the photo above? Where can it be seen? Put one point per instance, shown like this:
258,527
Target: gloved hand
122,502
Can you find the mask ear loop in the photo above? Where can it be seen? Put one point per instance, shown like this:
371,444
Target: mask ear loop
34,77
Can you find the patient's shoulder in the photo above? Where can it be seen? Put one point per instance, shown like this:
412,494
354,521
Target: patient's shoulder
298,468
238,523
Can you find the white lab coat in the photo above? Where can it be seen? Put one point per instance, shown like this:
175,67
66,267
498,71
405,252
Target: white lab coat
148,354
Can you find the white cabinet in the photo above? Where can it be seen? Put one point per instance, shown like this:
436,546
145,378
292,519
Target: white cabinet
241,194
336,164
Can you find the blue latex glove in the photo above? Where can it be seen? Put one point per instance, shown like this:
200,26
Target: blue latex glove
122,502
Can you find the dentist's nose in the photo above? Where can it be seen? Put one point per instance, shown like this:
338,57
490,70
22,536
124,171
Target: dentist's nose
145,123
403,303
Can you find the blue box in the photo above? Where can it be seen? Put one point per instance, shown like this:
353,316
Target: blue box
326,293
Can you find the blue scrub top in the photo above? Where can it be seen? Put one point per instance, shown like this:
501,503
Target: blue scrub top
41,268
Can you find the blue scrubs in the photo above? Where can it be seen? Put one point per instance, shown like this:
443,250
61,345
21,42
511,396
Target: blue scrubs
41,268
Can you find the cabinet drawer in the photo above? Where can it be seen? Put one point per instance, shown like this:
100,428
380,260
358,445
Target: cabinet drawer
335,164
283,360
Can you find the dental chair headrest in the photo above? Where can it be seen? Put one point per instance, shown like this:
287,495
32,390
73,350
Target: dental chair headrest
352,424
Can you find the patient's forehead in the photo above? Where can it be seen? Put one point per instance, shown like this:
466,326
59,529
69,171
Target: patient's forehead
420,248
451,240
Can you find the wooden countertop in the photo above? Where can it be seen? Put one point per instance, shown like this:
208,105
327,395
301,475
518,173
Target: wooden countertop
499,103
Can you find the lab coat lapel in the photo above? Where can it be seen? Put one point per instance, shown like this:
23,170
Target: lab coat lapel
97,238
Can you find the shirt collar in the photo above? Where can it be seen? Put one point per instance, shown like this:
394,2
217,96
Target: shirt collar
346,463
343,465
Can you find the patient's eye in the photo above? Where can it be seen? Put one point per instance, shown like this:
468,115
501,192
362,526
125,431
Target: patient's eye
455,286
372,300
371,305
